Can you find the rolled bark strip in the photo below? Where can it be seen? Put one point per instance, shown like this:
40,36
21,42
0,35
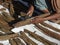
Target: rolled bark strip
39,38
6,37
2,20
28,21
47,25
12,42
11,9
1,44
8,17
25,40
29,40
6,4
3,17
4,26
18,41
48,32
22,23
5,30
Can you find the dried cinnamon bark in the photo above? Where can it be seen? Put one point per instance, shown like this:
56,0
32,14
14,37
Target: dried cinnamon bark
28,21
12,42
18,41
25,40
6,37
48,32
39,38
22,23
47,25
5,4
5,30
4,26
28,40
8,4
8,17
11,9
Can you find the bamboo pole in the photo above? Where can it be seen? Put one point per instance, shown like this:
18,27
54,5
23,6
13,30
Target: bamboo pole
48,32
3,22
39,38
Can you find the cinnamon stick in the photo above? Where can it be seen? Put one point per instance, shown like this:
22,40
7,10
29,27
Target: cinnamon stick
48,32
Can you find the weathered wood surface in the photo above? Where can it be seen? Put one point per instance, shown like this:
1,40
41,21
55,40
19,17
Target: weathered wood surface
48,32
39,38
